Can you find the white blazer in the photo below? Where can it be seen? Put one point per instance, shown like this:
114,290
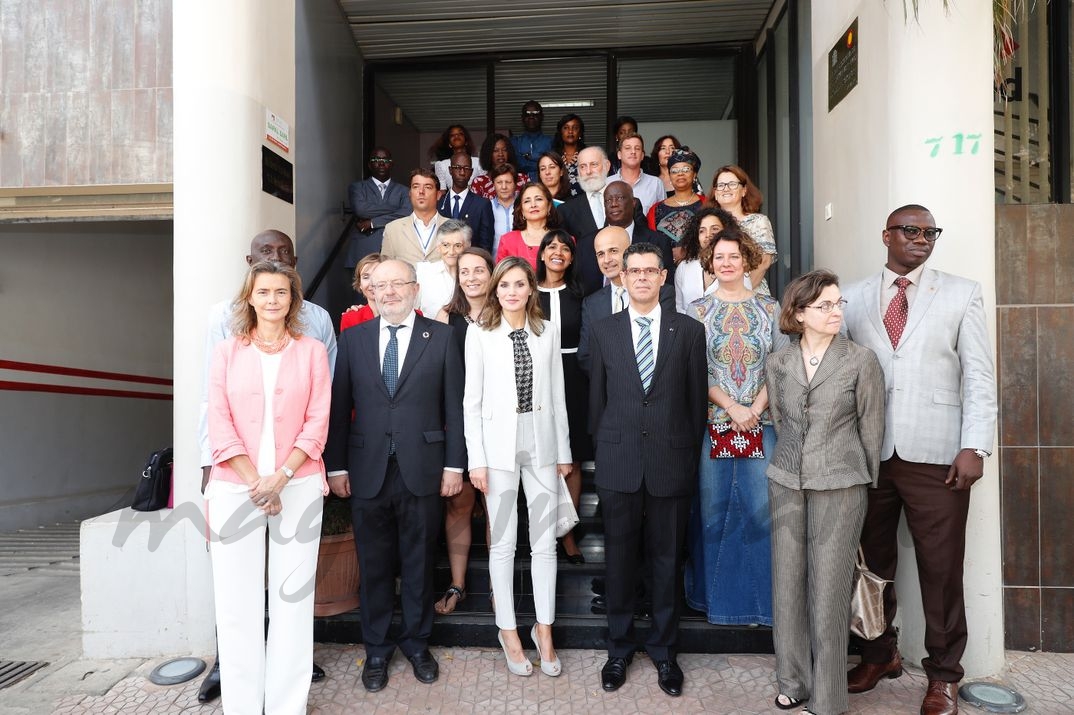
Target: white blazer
941,387
490,402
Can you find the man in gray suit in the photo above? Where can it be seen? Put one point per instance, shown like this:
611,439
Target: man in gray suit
376,202
647,404
929,331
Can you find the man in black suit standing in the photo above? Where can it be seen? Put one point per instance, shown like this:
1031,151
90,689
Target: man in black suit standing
647,414
401,376
583,215
464,205
376,202
610,244
620,209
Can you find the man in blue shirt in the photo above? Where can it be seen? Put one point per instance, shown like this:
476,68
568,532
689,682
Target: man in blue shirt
530,144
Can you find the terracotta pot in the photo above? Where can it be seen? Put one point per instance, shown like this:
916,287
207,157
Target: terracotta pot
337,576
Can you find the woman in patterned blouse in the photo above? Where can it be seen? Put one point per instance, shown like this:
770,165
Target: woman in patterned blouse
728,574
736,194
672,215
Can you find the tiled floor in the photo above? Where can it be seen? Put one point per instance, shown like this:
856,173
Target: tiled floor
475,681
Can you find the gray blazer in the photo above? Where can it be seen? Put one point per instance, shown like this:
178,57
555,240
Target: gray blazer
366,202
828,429
941,386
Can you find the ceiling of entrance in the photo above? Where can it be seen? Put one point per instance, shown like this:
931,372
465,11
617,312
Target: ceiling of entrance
652,90
412,28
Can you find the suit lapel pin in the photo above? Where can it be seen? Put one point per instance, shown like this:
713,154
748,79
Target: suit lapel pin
425,335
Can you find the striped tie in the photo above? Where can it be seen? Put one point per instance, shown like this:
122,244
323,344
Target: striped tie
644,354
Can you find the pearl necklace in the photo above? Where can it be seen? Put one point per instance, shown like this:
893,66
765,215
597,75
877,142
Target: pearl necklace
273,347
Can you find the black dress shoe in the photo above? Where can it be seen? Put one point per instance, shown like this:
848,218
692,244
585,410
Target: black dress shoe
318,674
426,668
613,674
210,687
375,674
669,676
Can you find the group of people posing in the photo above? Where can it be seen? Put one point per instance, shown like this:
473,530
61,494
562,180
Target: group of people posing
744,447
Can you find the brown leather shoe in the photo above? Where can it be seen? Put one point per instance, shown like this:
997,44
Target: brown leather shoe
940,699
865,676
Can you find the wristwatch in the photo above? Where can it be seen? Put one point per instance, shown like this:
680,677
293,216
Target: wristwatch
982,454
287,472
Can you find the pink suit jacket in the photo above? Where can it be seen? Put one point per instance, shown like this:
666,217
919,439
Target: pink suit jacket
300,405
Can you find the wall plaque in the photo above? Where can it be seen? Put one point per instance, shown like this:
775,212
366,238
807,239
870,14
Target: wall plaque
843,66
277,175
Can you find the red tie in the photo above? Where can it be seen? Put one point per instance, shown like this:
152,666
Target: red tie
898,309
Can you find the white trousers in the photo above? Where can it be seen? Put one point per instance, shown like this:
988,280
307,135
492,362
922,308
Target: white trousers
257,674
541,486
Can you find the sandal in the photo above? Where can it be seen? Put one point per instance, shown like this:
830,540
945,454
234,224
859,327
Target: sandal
444,605
786,702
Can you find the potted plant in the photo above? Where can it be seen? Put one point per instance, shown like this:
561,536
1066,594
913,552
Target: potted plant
337,561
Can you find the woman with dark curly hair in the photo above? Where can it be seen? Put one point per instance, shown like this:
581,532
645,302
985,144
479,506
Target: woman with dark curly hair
692,278
496,151
568,141
455,138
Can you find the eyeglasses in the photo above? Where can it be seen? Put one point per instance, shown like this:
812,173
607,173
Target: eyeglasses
380,160
396,285
681,170
728,185
828,306
532,112
648,272
460,167
912,232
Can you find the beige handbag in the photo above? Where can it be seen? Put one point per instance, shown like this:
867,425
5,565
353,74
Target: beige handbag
867,601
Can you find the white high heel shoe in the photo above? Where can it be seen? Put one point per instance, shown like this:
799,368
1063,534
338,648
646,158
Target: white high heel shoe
548,667
524,668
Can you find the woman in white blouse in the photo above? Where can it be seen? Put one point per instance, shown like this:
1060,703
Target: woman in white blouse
515,420
692,280
436,279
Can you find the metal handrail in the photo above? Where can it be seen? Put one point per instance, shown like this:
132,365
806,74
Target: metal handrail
332,255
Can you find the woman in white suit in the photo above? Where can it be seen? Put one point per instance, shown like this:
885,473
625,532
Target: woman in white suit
516,424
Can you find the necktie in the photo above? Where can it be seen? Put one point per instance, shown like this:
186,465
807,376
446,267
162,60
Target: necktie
455,208
620,298
898,310
390,370
523,371
644,353
383,188
596,203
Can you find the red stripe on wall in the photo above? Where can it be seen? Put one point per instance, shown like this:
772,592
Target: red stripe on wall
79,372
74,390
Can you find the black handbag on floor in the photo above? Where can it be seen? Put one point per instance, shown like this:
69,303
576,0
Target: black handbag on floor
156,483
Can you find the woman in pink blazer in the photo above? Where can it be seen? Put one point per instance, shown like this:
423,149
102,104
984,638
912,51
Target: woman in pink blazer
269,395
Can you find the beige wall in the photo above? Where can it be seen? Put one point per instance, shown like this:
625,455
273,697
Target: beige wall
86,92
872,154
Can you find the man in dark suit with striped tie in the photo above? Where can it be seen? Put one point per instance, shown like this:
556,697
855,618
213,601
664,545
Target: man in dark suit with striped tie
648,384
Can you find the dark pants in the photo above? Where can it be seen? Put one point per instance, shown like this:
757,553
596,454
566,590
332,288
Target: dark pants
396,528
659,525
937,520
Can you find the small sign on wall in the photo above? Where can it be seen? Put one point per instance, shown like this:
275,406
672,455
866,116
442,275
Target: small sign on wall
843,66
277,131
277,175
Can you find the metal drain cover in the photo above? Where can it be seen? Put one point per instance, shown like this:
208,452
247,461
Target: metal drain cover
992,697
177,670
12,671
